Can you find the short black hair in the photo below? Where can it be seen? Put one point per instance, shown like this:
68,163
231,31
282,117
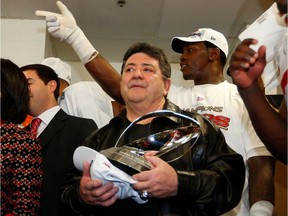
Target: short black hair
46,74
152,51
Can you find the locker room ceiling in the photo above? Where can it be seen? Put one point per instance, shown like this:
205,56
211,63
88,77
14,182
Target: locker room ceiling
112,29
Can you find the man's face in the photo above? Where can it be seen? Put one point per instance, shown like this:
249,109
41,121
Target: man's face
39,93
194,59
142,81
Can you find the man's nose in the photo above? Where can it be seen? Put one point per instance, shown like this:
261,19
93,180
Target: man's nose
137,72
182,56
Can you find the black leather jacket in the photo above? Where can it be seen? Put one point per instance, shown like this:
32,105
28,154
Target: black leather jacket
210,176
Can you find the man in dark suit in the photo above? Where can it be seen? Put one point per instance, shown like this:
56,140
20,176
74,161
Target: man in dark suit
59,133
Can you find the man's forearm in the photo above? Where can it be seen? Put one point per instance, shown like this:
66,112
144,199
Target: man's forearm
106,76
261,179
261,185
268,124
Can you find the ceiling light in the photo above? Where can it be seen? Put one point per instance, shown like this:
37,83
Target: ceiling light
121,3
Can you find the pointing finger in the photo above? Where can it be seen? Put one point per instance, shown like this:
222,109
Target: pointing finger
45,13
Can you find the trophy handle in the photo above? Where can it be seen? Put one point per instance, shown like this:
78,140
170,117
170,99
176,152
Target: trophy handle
157,113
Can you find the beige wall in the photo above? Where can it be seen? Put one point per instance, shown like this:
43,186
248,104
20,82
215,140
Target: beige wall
22,41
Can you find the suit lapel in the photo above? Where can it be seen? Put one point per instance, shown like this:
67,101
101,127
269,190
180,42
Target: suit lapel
53,127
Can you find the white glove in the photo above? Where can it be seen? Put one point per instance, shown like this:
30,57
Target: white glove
101,168
64,27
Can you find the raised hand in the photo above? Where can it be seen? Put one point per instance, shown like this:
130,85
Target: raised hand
64,27
246,65
61,26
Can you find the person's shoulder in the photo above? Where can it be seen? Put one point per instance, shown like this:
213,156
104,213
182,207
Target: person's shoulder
79,119
15,132
228,84
82,86
203,121
74,119
175,90
192,114
81,124
231,89
84,89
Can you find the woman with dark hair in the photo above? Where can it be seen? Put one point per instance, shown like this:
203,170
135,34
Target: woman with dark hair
20,154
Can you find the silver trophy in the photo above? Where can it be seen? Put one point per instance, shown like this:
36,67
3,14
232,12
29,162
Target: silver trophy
130,157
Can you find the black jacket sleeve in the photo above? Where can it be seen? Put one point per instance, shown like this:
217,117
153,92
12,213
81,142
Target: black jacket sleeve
216,181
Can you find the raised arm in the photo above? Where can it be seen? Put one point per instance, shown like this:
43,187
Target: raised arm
64,27
246,66
106,76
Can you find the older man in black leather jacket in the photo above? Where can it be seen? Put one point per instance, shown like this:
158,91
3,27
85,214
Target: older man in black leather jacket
206,180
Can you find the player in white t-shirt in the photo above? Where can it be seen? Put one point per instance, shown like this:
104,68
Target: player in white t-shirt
88,100
203,56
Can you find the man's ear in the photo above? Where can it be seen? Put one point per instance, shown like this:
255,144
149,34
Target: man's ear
214,53
52,85
167,84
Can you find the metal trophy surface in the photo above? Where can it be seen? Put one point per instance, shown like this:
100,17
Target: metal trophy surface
130,157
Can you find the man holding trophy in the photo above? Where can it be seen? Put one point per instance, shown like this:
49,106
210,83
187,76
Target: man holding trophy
199,175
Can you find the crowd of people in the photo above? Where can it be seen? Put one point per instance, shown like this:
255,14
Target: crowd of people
228,169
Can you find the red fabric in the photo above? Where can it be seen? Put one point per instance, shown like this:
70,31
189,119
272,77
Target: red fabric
34,126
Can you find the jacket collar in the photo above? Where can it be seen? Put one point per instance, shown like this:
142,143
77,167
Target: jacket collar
167,106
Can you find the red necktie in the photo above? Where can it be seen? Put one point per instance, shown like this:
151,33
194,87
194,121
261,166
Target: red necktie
34,126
